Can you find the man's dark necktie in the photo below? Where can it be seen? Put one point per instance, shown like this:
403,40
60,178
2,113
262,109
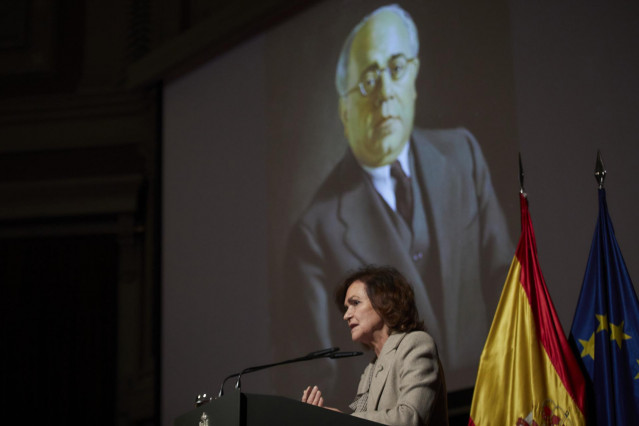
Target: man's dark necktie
403,193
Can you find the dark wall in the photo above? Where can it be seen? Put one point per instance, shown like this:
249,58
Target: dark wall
59,325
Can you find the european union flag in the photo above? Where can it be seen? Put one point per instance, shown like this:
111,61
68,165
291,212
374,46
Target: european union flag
605,329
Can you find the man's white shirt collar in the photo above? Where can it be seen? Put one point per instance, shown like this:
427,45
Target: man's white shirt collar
381,178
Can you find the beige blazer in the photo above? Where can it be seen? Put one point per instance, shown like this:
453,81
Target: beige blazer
408,385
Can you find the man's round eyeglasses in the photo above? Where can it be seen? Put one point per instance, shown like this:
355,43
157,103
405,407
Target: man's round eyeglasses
369,80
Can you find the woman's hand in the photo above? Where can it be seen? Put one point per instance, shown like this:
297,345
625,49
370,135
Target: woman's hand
313,396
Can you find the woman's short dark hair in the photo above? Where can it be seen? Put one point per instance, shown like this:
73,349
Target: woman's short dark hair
390,294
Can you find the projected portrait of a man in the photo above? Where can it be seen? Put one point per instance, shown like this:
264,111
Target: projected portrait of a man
419,200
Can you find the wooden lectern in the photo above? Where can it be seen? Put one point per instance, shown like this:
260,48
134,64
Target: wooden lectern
246,409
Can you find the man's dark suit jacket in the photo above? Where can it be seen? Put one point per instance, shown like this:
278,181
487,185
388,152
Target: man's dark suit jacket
348,224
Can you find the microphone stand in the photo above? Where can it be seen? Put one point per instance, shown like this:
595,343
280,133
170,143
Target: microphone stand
323,353
310,356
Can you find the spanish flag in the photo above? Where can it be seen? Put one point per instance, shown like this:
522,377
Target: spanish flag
527,374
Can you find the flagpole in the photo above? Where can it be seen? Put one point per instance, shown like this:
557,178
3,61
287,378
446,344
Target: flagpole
521,177
600,171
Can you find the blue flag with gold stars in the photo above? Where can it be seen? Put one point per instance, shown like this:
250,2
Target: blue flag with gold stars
605,329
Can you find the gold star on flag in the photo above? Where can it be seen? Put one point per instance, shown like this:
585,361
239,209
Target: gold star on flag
589,347
637,376
603,323
617,334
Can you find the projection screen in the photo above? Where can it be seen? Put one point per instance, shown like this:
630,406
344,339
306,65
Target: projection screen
260,223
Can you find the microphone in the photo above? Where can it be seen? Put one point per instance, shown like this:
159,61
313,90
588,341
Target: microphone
322,353
336,355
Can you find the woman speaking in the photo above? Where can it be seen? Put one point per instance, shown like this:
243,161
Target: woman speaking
404,383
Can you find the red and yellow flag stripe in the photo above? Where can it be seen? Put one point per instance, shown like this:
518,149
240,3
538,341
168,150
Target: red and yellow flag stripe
527,374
